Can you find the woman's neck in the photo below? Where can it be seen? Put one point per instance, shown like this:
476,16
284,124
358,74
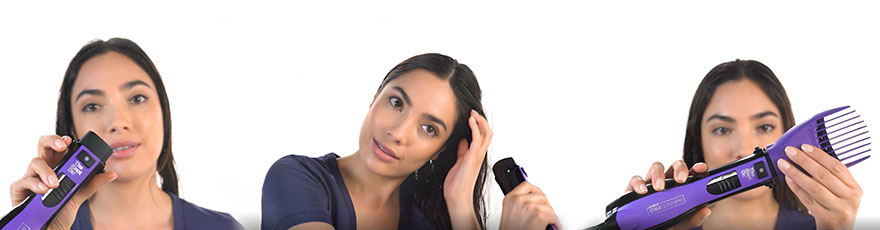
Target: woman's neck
369,187
732,213
137,202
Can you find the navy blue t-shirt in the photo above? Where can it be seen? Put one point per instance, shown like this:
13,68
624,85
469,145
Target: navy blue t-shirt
300,189
186,216
791,219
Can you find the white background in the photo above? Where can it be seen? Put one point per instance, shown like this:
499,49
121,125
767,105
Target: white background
582,95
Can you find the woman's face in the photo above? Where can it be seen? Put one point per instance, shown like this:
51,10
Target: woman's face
408,123
116,99
739,118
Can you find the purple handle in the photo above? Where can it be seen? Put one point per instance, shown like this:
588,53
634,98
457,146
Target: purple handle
77,168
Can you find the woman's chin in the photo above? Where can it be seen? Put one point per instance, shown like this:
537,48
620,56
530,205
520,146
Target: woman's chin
125,172
752,194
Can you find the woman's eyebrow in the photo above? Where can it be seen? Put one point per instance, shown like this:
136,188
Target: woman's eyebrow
403,94
94,92
132,84
763,114
721,117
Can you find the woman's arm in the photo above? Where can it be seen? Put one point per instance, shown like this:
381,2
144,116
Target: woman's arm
458,189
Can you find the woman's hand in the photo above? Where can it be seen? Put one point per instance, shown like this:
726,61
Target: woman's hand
458,189
40,177
657,179
526,207
832,194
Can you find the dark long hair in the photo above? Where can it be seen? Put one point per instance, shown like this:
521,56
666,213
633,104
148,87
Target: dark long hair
64,119
769,84
424,189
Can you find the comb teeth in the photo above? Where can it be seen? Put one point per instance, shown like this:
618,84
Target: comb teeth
845,136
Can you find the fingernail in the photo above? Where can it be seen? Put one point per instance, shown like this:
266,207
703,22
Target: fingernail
53,180
788,180
643,188
657,185
807,148
682,176
790,151
59,143
706,216
42,187
783,164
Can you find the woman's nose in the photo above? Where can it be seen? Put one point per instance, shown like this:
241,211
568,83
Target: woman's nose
397,131
117,120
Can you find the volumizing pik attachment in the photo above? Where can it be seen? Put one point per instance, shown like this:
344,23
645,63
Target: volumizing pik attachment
84,159
839,132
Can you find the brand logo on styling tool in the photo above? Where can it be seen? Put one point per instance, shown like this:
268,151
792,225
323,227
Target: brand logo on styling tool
748,173
75,168
23,226
666,205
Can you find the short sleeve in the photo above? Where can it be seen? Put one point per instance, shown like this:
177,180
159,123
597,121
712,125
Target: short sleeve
192,216
295,191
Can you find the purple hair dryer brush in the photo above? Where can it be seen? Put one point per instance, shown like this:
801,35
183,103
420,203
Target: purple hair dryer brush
839,132
84,159
508,175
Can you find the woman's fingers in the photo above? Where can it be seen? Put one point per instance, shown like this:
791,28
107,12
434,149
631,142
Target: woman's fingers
476,133
804,196
699,168
52,148
637,184
678,170
527,207
820,175
525,188
40,169
656,176
832,165
829,191
480,132
814,190
485,131
19,190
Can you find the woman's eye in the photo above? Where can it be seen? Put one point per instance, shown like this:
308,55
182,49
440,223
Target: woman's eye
721,131
765,128
395,102
430,130
91,107
137,99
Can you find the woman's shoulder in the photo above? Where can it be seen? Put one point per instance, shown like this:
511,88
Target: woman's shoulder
297,165
191,216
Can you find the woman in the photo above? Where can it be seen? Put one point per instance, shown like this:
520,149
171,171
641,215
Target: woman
421,163
738,106
112,88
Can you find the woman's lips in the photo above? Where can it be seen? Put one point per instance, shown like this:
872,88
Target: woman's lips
384,152
123,149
